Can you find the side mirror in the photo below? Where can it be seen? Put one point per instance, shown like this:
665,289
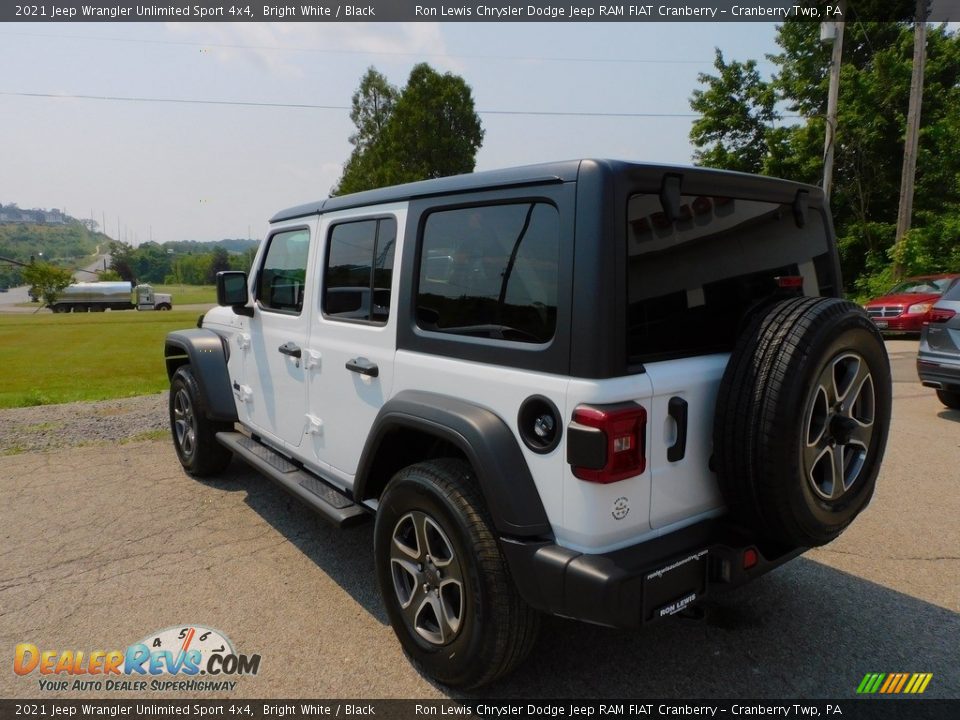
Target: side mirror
232,291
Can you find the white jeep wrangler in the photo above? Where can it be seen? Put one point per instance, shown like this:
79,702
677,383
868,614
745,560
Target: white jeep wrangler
594,388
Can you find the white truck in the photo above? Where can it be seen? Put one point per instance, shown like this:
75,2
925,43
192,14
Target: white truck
596,389
100,296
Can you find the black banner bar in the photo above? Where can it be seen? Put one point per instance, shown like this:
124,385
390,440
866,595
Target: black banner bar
874,709
469,11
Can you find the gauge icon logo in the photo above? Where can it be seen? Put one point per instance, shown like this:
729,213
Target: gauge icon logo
191,649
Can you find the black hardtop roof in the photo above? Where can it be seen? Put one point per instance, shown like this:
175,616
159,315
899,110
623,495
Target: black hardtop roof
556,172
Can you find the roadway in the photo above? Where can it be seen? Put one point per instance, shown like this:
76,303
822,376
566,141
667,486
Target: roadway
103,545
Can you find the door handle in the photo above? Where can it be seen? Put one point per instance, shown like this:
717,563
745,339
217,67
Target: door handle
363,366
677,408
291,349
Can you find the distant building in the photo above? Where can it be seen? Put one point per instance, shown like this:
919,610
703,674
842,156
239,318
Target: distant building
12,214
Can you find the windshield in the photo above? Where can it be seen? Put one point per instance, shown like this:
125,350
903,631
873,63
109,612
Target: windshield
921,286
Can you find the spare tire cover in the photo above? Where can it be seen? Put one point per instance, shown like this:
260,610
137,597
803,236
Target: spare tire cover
802,419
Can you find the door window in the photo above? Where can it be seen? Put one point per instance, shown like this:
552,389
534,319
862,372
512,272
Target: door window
281,281
359,270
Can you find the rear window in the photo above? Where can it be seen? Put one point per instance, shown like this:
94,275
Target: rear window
690,282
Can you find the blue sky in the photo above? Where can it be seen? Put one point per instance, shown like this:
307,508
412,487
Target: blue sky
174,171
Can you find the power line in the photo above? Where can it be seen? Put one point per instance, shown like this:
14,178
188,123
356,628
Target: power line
312,106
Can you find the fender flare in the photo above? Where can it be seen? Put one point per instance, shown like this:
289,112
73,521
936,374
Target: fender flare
485,440
206,352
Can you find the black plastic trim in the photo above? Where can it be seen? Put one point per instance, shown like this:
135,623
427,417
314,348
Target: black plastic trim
488,444
586,446
677,409
530,409
614,588
448,186
208,359
312,490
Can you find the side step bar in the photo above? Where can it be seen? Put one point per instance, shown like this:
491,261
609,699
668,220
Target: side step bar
325,499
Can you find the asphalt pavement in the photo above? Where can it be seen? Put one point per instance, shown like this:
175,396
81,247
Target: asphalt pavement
104,545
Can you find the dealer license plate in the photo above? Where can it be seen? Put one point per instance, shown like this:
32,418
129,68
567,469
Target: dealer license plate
675,586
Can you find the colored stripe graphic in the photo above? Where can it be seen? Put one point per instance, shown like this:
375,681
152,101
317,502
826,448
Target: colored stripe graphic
871,683
894,683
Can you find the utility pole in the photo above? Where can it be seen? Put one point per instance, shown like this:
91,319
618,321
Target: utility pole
911,137
836,34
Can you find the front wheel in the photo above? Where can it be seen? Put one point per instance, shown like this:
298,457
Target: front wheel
443,579
194,435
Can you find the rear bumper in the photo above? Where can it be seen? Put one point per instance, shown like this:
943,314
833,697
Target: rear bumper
901,324
936,372
642,583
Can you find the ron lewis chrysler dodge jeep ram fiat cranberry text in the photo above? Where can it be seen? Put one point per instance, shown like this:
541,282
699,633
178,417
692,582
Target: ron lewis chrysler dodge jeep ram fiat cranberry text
593,388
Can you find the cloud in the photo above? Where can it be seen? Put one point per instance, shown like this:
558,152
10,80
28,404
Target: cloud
278,47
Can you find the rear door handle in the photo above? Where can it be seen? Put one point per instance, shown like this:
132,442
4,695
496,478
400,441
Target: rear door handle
677,407
291,349
363,366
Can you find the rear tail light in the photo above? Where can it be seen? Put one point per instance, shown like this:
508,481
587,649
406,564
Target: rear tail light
607,443
750,558
790,282
940,315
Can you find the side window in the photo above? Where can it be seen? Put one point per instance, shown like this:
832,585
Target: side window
281,282
491,271
359,270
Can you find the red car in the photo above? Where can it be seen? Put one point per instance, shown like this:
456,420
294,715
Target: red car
907,306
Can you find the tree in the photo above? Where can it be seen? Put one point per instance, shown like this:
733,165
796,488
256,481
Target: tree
736,111
46,281
434,130
371,108
122,260
219,261
429,129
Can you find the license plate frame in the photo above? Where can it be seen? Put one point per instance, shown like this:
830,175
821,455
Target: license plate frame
674,586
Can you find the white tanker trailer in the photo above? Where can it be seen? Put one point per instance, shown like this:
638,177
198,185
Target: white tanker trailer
100,296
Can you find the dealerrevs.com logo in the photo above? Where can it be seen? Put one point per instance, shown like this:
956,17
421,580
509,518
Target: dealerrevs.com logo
185,658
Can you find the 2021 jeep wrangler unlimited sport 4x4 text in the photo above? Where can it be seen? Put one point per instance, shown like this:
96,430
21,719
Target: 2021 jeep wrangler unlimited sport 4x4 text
593,388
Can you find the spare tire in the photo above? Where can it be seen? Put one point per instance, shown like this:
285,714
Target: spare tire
802,418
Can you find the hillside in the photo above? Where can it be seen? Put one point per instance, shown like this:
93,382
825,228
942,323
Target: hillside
66,244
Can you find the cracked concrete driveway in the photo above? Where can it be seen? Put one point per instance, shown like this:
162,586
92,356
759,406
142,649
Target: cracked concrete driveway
103,545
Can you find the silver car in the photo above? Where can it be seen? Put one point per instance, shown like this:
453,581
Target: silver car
938,362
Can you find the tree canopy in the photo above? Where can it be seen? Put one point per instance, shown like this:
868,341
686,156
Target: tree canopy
46,281
426,130
744,127
180,263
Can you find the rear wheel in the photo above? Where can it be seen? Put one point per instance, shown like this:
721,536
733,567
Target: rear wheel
950,399
194,435
802,418
444,581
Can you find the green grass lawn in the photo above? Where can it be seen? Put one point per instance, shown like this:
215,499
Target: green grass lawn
190,294
47,358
